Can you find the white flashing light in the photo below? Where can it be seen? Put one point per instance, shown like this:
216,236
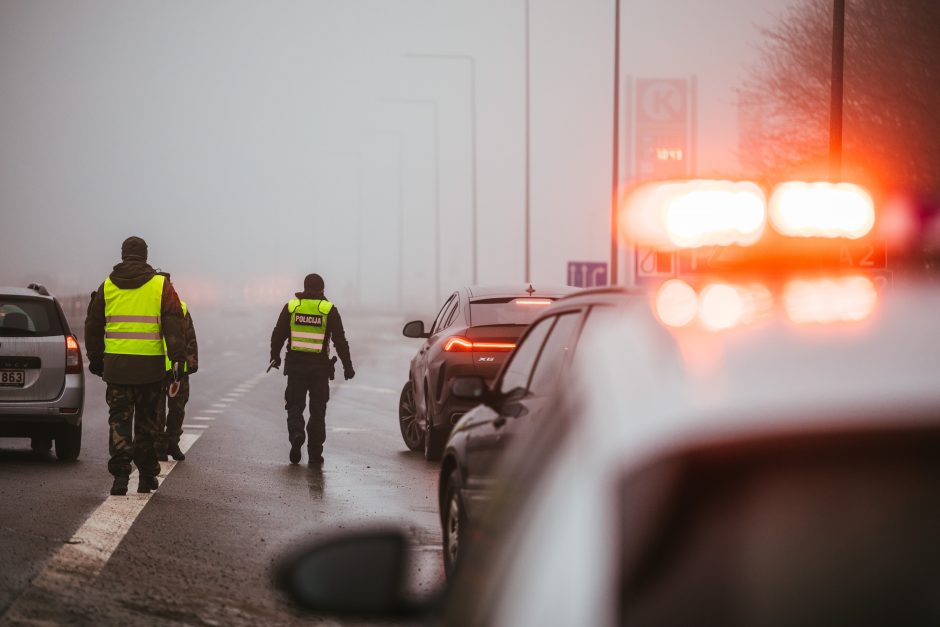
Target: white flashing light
825,301
691,214
821,210
676,303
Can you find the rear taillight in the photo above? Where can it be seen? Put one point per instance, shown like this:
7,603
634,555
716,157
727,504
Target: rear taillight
458,344
73,356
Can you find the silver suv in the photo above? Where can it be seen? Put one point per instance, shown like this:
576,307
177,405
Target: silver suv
42,382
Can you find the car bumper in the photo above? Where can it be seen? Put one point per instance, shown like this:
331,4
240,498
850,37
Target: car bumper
23,419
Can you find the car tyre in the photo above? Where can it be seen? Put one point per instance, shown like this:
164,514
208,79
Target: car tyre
68,443
454,522
411,430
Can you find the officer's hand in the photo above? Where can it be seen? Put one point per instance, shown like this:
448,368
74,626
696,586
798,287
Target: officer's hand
178,370
348,373
96,368
192,368
276,360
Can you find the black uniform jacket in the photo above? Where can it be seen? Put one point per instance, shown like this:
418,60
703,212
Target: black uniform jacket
300,362
135,369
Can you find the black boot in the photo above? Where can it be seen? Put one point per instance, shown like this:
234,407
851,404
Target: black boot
119,487
295,452
146,484
175,452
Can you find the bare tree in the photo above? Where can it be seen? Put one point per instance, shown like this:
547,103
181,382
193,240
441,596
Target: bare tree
892,94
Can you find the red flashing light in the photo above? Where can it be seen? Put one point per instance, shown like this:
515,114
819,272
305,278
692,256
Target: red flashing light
458,344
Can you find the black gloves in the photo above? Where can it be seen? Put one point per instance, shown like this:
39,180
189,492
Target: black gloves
192,368
348,372
276,361
96,367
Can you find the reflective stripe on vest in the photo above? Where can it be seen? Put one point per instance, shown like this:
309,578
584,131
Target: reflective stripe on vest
308,325
132,318
169,364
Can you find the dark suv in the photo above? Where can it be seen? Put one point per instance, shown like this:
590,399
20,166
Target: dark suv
42,384
517,399
473,333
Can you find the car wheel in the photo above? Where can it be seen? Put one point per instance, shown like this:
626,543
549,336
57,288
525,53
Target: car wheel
411,431
68,443
455,524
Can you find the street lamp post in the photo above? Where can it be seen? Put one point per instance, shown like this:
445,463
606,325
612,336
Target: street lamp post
835,102
437,185
471,61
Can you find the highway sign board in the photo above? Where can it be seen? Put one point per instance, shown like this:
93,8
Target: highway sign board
587,273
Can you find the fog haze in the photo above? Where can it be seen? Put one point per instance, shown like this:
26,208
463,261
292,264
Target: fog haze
252,143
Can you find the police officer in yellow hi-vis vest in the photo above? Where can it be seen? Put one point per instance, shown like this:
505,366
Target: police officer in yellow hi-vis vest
131,315
309,323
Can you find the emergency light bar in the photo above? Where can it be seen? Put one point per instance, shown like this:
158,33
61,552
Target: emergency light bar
672,215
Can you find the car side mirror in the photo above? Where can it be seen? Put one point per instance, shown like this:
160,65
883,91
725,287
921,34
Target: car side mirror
415,329
469,389
357,574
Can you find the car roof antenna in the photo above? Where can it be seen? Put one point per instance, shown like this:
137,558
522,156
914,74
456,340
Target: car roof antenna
531,290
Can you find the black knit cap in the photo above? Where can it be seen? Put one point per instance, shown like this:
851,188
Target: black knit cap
313,283
134,248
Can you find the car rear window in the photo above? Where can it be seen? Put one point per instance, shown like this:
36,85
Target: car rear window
494,311
28,317
822,534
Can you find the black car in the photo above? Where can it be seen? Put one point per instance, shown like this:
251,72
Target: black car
522,392
473,333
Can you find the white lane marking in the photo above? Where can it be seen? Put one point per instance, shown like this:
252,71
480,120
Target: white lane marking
369,388
212,411
203,418
220,405
195,426
348,430
82,558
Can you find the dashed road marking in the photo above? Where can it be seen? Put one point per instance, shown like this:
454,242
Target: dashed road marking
203,418
195,426
220,405
81,559
369,388
212,411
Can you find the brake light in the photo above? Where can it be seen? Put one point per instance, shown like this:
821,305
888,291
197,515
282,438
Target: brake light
458,344
73,356
822,210
538,302
691,214
825,301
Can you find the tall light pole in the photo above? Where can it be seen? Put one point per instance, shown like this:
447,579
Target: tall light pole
835,101
437,185
471,63
615,185
528,147
401,209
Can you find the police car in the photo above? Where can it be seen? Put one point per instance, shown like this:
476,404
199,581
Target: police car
760,448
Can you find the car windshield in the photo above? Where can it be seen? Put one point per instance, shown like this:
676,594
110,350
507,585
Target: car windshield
28,317
841,530
513,310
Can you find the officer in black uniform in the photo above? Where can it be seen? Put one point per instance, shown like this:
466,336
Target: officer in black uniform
309,323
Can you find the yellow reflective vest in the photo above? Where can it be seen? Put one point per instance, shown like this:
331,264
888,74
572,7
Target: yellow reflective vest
132,318
308,324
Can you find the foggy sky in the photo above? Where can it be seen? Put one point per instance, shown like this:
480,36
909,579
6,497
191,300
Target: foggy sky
252,142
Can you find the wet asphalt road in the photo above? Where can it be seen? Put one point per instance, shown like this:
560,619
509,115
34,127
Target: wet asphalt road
200,552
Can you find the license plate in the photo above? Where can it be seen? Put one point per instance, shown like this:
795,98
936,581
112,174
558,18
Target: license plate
13,378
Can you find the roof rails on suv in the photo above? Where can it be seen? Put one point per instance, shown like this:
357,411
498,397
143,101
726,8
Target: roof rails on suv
39,288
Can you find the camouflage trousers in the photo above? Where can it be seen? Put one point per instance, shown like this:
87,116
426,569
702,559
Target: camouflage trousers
172,411
133,418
